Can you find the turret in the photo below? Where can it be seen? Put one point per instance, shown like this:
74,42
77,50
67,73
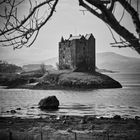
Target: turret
62,39
70,35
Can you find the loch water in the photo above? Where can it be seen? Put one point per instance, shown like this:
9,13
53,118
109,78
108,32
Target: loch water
99,102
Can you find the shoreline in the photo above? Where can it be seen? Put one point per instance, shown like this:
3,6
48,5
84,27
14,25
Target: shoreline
64,127
58,88
65,80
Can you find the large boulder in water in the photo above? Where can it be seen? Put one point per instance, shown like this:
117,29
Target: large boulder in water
50,102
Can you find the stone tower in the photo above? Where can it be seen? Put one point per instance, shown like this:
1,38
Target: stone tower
77,53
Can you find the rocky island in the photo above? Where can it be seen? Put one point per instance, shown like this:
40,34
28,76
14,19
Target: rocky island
59,79
75,80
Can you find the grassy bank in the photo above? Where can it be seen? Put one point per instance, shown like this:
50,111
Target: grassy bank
58,80
70,127
14,80
77,80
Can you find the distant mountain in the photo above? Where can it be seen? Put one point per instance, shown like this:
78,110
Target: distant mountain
51,61
106,61
110,62
116,62
16,61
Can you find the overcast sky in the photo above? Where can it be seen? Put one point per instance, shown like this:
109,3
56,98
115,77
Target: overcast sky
68,19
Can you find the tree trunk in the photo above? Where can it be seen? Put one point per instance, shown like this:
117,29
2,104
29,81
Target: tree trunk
108,17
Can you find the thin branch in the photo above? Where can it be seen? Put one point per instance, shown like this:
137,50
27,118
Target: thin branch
9,16
122,15
112,5
32,12
133,13
34,39
19,3
111,33
51,13
82,3
24,33
109,18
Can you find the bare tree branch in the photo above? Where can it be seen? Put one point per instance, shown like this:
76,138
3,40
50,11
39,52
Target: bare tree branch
109,18
82,3
24,32
17,31
133,13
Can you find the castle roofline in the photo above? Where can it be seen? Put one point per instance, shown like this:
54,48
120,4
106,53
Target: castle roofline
86,37
75,37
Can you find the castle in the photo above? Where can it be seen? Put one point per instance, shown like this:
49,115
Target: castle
77,53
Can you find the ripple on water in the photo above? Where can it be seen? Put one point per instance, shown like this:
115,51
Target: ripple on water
102,102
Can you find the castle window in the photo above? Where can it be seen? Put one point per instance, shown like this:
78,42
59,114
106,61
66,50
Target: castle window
84,48
63,56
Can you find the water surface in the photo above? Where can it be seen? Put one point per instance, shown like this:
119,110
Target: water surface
100,102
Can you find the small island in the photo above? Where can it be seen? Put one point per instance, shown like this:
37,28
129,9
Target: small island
75,80
55,79
76,69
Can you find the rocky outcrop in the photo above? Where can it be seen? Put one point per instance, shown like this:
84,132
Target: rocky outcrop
66,79
50,102
78,80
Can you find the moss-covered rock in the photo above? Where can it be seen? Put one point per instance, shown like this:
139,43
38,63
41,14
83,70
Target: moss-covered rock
50,102
80,80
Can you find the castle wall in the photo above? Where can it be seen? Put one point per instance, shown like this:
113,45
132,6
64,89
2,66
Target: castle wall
85,54
73,54
81,52
65,57
91,54
77,54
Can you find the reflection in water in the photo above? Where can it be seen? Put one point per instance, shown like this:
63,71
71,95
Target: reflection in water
101,102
